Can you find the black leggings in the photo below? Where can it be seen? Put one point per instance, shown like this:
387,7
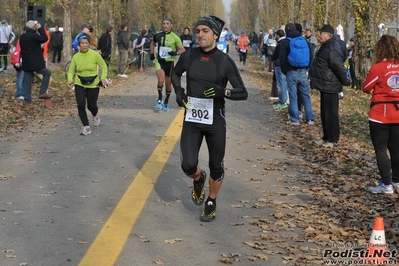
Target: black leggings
91,95
4,48
191,140
242,56
386,137
353,74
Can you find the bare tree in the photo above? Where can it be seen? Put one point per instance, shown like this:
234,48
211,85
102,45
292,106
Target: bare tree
66,6
23,11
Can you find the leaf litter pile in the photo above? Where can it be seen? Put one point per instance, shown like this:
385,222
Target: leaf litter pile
15,115
339,210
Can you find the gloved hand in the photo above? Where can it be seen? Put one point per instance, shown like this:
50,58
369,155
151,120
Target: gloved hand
172,53
181,98
152,57
347,82
214,92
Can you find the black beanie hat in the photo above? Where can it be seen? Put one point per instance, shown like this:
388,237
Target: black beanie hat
213,22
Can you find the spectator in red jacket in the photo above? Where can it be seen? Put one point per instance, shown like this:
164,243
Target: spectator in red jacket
382,83
17,63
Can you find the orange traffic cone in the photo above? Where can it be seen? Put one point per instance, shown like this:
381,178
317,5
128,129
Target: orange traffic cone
48,102
377,246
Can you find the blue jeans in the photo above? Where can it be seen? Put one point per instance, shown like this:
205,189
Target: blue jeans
281,85
254,48
298,80
27,83
20,88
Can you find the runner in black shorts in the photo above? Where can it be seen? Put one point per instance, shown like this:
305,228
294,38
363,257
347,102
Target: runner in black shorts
167,44
208,71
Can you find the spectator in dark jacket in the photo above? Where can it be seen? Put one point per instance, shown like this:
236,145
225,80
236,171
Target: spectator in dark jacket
32,58
280,77
186,38
327,74
297,79
255,43
105,44
56,43
140,44
342,46
123,47
352,64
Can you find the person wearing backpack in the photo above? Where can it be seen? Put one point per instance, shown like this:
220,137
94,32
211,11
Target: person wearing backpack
268,41
328,74
139,45
75,43
295,57
7,36
271,44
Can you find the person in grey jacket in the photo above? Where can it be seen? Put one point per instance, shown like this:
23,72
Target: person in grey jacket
123,47
328,74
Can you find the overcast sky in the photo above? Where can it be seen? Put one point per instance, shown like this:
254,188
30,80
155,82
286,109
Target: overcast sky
227,4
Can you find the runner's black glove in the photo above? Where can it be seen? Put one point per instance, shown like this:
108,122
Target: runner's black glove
152,57
172,53
214,92
181,98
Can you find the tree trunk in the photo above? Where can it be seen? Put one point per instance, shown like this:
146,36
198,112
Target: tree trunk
111,21
67,34
327,10
23,11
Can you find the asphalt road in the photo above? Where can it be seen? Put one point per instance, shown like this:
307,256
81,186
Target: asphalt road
60,191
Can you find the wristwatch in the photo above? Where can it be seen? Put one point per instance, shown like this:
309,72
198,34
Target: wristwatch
227,93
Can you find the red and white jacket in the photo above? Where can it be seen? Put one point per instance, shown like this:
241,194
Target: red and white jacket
16,54
382,83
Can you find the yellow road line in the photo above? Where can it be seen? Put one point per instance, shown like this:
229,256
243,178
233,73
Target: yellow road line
110,241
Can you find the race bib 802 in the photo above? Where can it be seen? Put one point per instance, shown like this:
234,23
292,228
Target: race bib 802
200,111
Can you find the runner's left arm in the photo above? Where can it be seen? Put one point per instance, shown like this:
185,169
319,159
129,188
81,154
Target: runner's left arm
239,92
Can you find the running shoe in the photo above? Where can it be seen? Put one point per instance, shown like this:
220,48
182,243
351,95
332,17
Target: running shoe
329,145
165,107
382,188
96,120
45,96
198,192
280,106
85,131
209,212
318,142
159,104
289,122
